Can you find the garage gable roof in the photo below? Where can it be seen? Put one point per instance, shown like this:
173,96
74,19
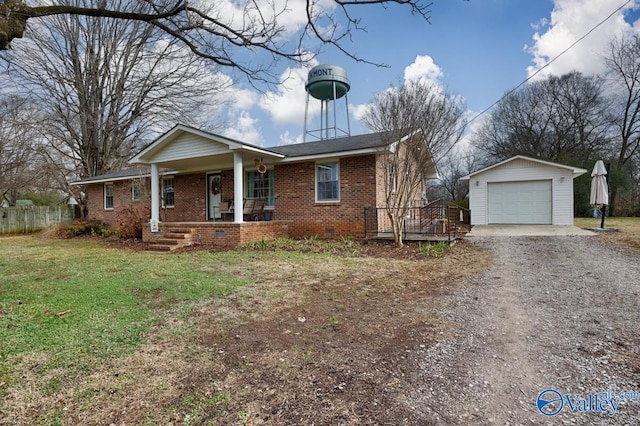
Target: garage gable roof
576,171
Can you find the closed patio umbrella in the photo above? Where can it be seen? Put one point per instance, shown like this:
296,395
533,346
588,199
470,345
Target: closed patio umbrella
599,189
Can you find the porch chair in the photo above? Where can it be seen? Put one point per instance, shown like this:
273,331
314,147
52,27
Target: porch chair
226,209
258,208
247,209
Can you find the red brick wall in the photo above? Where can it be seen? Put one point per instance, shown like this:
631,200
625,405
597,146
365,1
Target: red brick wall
381,165
122,199
295,199
190,199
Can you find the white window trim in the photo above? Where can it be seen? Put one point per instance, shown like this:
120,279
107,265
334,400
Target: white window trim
170,206
104,195
134,184
315,183
393,178
247,176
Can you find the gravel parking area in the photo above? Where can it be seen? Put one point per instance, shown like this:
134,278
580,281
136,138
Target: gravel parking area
557,313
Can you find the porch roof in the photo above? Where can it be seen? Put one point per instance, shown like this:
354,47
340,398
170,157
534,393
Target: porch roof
134,172
186,149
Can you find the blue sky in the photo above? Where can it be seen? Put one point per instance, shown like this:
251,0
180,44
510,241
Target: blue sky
477,49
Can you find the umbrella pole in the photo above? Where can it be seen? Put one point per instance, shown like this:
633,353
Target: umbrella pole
602,213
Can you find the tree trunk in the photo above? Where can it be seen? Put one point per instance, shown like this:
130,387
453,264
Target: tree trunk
398,225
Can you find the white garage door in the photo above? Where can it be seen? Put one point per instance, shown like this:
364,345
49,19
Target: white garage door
520,202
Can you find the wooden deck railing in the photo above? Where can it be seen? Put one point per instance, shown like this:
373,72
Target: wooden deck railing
434,220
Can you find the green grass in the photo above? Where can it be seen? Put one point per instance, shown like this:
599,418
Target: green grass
628,229
433,249
78,302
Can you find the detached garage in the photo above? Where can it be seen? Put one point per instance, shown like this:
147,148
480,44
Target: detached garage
522,190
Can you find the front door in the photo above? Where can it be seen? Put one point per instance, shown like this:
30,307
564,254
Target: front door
214,189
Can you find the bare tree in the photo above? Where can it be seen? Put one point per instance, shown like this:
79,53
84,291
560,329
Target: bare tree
562,119
103,86
451,169
210,30
623,63
18,171
420,124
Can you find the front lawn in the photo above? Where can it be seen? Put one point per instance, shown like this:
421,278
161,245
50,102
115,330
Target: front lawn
96,335
628,229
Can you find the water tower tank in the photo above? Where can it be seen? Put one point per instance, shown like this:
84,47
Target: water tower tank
327,82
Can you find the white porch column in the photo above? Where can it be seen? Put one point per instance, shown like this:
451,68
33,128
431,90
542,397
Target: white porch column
238,185
155,192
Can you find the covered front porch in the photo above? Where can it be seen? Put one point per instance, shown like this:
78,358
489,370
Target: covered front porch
209,194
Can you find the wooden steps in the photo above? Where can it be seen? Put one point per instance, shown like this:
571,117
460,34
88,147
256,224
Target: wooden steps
171,239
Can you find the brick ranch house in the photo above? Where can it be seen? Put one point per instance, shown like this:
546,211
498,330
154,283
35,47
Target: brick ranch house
189,179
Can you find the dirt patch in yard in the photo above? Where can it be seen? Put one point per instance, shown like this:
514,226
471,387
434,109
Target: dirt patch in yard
339,355
320,339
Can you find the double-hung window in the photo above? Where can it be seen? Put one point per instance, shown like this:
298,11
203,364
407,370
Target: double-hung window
260,186
136,190
108,196
168,194
328,181
393,178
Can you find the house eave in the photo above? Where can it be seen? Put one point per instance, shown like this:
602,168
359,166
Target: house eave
576,171
340,154
90,181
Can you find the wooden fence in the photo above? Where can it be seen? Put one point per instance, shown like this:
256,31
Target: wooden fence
22,220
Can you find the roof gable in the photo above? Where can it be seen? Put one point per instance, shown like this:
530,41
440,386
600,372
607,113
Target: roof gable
522,162
184,142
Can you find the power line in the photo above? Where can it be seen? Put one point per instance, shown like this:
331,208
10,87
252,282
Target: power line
475,117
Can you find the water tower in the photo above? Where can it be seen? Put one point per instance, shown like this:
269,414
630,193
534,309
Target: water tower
328,83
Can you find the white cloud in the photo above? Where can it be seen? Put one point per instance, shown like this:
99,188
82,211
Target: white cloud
423,69
289,16
287,139
359,111
570,20
286,105
244,128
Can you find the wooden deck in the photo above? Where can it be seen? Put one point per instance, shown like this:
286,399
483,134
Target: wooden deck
433,222
412,237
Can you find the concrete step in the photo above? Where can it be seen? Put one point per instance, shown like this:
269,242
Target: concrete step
159,248
167,241
171,240
179,231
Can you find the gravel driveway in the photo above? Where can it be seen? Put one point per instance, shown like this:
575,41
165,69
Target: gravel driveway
557,313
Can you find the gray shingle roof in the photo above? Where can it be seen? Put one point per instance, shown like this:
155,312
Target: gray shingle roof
349,143
327,146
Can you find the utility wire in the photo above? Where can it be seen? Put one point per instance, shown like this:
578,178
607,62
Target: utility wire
475,117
